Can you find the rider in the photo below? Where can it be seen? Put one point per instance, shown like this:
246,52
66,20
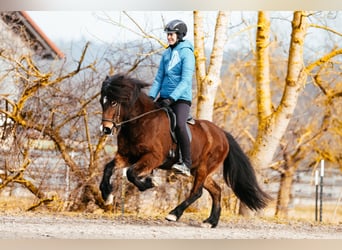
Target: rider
174,84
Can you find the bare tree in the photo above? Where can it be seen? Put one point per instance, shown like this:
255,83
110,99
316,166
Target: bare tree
46,108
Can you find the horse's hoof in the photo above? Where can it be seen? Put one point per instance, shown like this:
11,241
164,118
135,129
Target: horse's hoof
171,217
155,183
206,225
149,182
109,200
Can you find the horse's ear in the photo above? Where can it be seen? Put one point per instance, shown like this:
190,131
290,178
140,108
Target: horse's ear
107,77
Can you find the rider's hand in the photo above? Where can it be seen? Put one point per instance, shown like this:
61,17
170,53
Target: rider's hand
166,102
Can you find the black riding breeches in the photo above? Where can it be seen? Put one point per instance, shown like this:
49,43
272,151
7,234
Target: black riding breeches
182,111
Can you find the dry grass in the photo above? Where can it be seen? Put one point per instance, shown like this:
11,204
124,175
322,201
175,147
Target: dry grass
10,204
332,214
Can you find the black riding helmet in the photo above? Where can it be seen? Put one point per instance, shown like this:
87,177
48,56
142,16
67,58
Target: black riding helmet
177,26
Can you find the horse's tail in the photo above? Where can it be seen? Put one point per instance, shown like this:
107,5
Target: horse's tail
240,176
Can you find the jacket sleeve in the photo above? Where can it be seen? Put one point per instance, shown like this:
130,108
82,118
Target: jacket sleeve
156,86
188,67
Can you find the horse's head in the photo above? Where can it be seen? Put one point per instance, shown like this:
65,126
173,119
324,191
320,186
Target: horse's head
110,114
118,96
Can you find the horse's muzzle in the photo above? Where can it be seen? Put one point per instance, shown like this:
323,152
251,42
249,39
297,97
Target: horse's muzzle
107,130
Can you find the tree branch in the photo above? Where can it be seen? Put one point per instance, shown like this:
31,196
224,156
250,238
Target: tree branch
323,59
326,28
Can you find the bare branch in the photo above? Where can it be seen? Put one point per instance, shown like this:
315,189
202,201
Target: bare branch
326,28
323,59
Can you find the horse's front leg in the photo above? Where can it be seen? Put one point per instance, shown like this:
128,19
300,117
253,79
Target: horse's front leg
139,172
142,183
105,185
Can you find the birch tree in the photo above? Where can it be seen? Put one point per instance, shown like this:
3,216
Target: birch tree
316,137
208,78
272,124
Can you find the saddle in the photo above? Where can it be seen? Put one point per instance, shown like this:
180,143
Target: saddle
172,119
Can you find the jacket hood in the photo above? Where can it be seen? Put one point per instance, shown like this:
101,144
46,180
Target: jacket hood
184,44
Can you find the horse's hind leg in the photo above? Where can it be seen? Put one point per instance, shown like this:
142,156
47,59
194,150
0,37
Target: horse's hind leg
215,193
195,193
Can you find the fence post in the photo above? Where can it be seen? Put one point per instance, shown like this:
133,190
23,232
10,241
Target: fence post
316,201
321,193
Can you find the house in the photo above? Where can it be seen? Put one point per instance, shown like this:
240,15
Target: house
19,35
19,26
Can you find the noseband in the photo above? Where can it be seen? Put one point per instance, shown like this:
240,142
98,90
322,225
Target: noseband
116,117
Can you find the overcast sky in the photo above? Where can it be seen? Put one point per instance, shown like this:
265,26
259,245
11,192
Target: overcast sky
73,25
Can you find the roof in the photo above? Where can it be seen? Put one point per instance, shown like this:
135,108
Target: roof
32,34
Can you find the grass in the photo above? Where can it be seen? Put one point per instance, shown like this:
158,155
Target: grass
332,213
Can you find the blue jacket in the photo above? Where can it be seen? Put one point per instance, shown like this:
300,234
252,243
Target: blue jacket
174,76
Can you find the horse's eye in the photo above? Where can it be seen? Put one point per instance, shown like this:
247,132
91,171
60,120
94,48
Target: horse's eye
114,103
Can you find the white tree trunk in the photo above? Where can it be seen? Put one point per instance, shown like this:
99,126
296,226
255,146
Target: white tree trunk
209,80
272,128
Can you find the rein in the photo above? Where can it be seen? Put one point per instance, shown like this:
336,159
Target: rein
119,124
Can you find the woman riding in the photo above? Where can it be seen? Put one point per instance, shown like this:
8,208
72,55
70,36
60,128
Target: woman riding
173,83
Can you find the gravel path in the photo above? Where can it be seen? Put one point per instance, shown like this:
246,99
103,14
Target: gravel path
42,226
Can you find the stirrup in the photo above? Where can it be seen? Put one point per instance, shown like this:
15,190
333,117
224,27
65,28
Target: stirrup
181,168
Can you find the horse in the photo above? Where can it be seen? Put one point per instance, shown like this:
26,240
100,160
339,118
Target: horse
144,143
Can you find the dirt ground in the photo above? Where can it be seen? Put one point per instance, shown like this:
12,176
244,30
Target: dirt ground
82,226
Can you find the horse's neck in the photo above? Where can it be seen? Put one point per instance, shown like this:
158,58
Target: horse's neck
140,108
142,105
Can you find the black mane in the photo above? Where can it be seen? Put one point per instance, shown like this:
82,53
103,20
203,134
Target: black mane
122,88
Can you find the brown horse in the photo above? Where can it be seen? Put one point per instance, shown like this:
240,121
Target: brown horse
144,143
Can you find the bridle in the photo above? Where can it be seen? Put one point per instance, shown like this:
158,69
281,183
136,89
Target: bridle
116,117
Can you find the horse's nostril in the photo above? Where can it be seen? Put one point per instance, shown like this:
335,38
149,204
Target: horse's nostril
107,130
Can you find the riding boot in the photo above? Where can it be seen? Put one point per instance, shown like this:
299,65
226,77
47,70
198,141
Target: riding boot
184,145
184,164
